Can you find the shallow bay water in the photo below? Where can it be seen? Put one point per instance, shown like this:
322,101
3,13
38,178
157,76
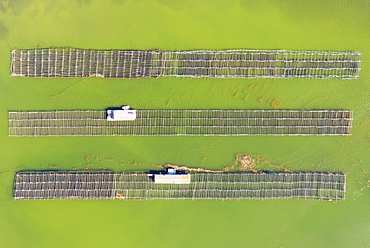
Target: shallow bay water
185,25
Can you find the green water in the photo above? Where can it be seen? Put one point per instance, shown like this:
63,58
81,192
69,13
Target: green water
183,25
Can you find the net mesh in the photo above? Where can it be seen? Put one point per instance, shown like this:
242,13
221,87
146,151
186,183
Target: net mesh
183,122
70,62
59,185
139,186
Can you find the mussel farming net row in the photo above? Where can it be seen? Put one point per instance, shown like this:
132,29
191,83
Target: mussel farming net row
140,186
235,186
54,185
83,63
182,122
70,62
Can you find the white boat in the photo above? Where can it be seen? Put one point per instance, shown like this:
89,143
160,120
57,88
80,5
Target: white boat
124,114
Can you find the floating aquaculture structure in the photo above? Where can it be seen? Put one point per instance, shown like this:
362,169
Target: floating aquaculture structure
182,122
71,62
64,184
141,186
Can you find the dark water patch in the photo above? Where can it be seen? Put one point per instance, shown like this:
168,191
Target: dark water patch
3,9
85,3
120,2
3,31
15,6
175,5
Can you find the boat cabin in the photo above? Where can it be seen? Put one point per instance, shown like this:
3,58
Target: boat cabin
124,114
172,177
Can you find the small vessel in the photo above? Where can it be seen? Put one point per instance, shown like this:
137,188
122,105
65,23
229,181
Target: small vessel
124,114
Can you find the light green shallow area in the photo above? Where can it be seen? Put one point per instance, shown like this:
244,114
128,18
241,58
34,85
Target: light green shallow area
186,25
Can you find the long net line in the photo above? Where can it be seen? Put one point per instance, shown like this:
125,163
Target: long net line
139,186
70,62
182,122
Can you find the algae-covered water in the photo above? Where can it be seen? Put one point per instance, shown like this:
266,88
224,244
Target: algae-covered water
183,25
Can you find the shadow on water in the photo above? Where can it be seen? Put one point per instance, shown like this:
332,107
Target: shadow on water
114,108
